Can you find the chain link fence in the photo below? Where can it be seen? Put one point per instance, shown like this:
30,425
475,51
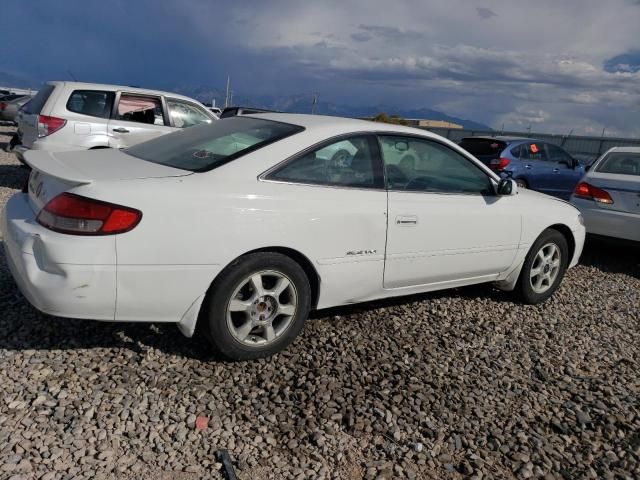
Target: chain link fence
585,149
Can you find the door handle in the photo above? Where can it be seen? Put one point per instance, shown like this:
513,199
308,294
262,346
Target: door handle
527,166
556,170
406,221
121,130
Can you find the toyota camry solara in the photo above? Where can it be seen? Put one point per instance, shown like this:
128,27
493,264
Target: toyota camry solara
241,227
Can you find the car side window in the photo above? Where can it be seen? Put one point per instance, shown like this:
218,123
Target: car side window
515,151
556,154
185,115
91,102
533,151
421,165
349,162
140,109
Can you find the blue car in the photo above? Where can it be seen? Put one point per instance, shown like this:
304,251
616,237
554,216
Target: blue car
532,163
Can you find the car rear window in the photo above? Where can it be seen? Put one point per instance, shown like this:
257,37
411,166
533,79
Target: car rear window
10,97
95,103
208,146
483,147
37,102
620,163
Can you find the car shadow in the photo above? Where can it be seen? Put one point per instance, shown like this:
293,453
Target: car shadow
13,176
611,255
22,327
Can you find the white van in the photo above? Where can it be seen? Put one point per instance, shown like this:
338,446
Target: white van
67,116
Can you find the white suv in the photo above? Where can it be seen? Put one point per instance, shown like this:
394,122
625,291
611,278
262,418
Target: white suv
77,116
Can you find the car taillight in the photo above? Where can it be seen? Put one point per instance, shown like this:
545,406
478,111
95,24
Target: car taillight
73,214
584,190
2,106
49,125
499,164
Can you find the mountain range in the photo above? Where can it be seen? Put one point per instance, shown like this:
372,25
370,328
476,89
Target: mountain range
303,104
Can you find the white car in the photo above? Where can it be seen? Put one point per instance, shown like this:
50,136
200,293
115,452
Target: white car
201,228
608,195
67,116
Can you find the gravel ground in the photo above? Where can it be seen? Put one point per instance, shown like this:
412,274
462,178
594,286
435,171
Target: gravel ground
457,384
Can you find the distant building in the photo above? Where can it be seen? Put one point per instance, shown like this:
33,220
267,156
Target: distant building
421,122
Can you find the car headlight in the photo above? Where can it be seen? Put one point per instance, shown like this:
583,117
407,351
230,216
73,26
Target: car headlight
581,219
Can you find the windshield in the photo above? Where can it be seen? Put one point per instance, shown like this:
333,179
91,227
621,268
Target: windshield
207,146
620,163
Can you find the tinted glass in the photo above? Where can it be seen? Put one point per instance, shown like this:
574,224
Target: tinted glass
421,165
37,102
10,97
483,147
207,146
620,163
349,162
556,154
140,109
91,102
186,115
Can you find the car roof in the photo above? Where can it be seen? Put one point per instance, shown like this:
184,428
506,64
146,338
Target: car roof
340,124
625,149
113,88
504,138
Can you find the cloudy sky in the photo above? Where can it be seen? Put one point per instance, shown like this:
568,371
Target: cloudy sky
554,65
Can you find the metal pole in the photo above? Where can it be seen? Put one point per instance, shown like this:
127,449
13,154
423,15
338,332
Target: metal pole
226,96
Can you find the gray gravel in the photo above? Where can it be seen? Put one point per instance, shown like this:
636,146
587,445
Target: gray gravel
457,384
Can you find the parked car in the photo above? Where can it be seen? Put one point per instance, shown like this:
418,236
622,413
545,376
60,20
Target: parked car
9,109
532,163
10,96
235,111
67,116
609,195
252,236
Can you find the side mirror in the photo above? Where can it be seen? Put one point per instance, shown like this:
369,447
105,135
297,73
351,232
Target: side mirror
506,187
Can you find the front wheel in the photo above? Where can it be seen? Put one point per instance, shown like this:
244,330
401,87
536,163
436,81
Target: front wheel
544,267
257,306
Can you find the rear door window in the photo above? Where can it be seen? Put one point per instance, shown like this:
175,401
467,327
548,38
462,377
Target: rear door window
140,109
37,102
91,102
533,151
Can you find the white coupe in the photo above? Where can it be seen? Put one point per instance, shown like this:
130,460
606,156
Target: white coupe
242,226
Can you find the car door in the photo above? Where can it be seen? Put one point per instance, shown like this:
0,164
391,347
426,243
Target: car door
537,170
565,173
445,223
340,204
137,118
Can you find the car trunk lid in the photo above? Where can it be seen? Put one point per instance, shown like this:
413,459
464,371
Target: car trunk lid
54,173
623,189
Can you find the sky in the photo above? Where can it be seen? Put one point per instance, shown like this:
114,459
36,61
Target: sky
553,65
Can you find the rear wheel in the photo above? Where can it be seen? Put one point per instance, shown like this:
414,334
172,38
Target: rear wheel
544,267
522,183
257,306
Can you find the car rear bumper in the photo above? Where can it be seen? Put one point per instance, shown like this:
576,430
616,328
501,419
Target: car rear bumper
609,223
50,270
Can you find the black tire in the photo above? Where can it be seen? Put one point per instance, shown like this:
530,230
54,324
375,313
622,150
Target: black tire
522,183
524,288
214,313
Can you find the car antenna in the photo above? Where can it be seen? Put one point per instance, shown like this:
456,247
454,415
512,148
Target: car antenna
72,75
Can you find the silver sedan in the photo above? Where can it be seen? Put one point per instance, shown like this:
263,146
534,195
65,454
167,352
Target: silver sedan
608,196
